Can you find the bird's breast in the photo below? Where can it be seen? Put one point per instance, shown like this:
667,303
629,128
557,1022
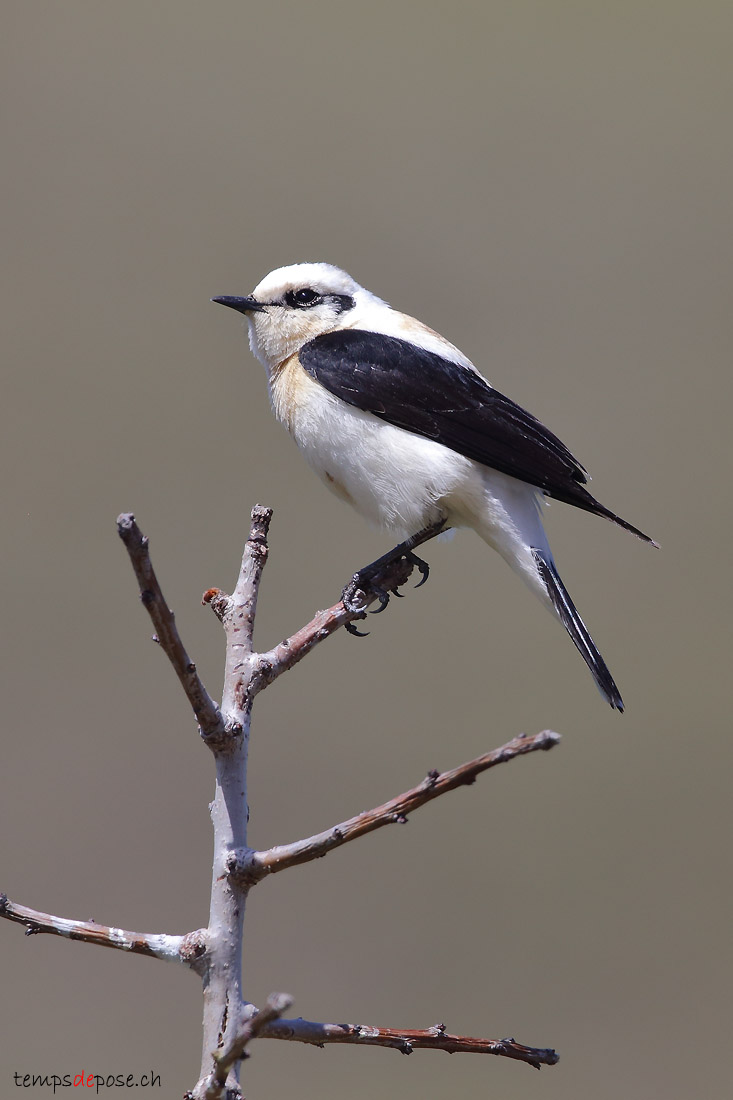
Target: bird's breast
289,386
321,424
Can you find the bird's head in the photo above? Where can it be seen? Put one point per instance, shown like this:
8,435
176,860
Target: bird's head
293,305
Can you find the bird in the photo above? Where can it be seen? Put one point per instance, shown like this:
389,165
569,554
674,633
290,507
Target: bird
399,423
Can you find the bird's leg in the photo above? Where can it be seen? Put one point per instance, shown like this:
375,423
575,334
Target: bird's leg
366,582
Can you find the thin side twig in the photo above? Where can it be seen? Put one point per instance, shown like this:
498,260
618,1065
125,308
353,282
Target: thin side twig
275,661
207,712
406,1040
233,1051
185,949
254,866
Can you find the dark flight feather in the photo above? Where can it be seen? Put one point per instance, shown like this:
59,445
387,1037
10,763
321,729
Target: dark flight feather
422,392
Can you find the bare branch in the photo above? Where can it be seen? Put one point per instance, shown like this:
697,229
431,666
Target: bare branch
215,952
233,1051
186,949
207,712
253,866
433,1038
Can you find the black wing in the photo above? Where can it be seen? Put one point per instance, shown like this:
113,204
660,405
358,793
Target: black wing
422,392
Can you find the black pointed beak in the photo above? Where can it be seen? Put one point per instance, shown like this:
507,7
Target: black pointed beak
242,305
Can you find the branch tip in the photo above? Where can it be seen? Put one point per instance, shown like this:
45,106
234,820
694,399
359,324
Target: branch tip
262,516
260,525
125,521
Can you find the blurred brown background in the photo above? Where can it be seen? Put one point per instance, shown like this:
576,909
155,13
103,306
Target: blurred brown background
550,186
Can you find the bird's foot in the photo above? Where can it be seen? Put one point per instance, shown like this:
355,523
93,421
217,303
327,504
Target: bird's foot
365,586
383,576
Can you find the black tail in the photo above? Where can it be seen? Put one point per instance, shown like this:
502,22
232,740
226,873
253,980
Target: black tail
577,629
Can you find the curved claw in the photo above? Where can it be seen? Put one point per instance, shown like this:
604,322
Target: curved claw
421,565
383,598
399,595
351,629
